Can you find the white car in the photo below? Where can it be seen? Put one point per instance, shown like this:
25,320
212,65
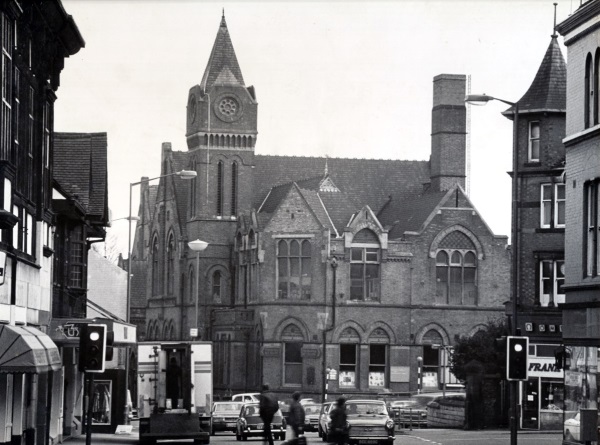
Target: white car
246,397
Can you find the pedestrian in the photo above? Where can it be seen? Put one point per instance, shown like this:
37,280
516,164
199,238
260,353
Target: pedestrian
338,433
296,418
267,408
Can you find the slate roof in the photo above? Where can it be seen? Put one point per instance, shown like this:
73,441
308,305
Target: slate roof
222,67
80,168
548,91
364,181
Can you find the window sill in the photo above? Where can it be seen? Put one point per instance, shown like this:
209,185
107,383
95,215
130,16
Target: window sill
581,136
550,230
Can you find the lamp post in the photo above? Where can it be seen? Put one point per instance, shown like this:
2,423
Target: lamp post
183,174
198,246
482,99
419,374
326,329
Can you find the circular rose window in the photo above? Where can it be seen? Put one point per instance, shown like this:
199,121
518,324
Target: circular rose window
228,108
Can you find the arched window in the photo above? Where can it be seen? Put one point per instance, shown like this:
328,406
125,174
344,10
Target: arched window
365,267
171,265
378,358
193,189
220,188
349,343
155,268
456,273
596,83
234,188
216,286
292,355
294,269
589,92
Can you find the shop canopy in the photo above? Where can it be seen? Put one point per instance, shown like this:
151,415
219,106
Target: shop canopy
26,349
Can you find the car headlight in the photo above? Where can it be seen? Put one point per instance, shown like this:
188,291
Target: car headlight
389,424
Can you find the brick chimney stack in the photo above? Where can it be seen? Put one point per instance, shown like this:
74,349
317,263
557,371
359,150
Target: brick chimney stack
448,132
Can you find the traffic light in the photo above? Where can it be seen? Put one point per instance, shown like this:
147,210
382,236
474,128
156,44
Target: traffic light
92,347
517,350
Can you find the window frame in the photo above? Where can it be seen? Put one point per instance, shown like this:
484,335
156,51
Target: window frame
377,367
370,287
532,140
295,365
451,266
170,260
303,261
590,229
155,285
555,203
555,267
349,367
589,92
77,256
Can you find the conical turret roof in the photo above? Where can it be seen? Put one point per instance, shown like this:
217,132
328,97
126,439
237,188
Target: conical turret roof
223,67
548,92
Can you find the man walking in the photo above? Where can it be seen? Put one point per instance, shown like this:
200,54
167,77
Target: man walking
267,408
296,419
339,431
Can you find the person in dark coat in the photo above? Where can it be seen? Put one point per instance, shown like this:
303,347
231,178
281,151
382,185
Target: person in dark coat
339,431
297,415
267,408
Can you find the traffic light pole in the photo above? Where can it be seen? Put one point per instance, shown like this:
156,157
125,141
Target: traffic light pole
88,423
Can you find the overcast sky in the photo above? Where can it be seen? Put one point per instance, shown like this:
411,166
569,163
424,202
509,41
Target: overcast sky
344,78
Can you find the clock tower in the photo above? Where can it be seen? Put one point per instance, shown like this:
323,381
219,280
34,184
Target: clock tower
221,134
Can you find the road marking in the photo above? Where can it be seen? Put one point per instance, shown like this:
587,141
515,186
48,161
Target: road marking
424,440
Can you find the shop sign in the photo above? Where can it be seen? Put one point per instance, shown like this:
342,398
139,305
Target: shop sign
543,367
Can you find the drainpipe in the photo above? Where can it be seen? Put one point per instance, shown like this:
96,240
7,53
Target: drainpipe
328,329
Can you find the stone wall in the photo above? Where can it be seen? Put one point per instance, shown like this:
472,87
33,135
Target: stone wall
446,412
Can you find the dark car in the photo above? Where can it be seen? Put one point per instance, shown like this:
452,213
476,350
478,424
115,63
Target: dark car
249,423
224,416
312,412
324,419
369,422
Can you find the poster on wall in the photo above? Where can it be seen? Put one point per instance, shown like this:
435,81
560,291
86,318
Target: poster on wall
376,379
347,379
430,380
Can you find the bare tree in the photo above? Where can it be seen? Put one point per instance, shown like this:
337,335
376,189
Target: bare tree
109,249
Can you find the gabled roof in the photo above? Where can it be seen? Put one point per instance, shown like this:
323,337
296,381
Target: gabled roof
409,215
222,67
363,181
80,168
548,91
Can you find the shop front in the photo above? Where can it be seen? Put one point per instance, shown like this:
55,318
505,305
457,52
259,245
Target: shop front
542,395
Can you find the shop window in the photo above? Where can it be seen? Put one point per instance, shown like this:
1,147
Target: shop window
101,412
294,269
377,366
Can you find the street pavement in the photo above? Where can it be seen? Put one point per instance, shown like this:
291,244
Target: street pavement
422,436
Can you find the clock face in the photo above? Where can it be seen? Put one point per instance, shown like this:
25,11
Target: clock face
228,107
192,108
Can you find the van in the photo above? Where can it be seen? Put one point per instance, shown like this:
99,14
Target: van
246,397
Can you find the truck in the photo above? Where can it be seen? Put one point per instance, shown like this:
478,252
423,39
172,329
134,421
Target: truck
174,389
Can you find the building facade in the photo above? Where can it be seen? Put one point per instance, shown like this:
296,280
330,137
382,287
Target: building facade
581,311
320,273
540,221
35,38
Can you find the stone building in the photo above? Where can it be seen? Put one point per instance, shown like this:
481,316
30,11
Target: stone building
318,270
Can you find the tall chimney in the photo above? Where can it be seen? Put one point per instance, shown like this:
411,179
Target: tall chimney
448,132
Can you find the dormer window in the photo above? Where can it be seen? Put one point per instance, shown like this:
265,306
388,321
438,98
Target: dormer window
534,142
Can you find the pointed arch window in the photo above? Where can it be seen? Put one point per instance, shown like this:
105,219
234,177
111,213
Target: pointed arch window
292,355
456,276
216,286
234,188
171,265
294,269
365,267
155,268
596,73
220,188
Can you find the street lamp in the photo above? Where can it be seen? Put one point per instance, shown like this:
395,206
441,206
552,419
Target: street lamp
198,246
482,99
183,174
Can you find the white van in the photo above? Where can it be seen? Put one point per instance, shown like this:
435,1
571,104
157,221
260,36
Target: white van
246,397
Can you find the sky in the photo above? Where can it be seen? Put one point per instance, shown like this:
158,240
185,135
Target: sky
350,79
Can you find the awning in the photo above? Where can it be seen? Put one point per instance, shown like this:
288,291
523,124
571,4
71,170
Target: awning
26,349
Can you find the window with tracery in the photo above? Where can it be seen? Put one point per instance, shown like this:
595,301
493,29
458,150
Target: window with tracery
294,269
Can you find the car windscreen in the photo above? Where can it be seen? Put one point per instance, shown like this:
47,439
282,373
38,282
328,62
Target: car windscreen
227,407
312,409
365,408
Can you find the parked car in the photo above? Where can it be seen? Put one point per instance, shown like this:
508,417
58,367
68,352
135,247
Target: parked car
250,424
306,401
324,419
224,416
312,412
284,407
246,397
412,411
369,422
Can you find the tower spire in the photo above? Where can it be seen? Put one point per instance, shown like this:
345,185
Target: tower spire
223,23
554,27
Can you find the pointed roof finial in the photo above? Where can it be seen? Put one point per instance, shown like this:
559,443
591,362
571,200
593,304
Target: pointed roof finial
326,168
554,35
223,23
